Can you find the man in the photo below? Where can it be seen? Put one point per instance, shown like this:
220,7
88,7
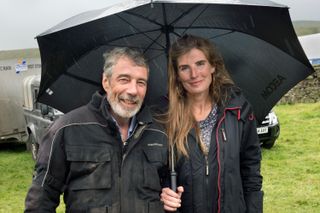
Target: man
107,156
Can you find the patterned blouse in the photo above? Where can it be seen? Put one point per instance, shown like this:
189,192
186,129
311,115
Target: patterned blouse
207,125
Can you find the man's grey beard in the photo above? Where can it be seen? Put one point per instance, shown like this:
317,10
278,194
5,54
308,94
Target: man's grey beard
118,109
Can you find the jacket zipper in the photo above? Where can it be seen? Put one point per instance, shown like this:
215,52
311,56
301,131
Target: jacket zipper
207,165
123,157
224,138
125,148
124,151
207,179
137,132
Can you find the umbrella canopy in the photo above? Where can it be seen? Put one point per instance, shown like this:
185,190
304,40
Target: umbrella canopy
255,37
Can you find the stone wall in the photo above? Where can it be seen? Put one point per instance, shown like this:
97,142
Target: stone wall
307,91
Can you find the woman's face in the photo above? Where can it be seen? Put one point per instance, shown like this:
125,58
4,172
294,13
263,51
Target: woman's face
195,72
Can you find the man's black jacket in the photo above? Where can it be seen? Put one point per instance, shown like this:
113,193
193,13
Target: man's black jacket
82,156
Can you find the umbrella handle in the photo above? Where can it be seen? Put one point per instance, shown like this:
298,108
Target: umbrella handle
173,176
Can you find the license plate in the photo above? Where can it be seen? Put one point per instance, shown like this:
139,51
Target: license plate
262,130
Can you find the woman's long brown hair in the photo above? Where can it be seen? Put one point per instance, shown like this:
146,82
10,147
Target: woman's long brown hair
180,119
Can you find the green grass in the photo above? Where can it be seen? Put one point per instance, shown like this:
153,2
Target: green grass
16,168
306,27
291,169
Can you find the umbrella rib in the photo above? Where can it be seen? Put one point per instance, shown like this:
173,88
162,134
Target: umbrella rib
151,58
185,13
166,29
153,41
82,79
222,34
128,35
143,33
115,39
143,17
195,18
130,46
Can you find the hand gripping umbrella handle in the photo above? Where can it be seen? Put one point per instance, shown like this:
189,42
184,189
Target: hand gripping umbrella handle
173,174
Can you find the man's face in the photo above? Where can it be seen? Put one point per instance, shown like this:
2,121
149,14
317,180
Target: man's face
126,87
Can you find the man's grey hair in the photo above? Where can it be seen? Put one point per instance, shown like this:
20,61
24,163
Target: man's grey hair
112,57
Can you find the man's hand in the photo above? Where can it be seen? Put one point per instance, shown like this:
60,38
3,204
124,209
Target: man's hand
171,199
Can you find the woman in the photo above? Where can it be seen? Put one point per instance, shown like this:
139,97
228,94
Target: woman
213,130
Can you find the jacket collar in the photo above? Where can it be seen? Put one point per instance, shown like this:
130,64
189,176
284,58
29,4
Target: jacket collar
237,104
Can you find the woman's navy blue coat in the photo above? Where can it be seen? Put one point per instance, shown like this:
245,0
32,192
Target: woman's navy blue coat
228,180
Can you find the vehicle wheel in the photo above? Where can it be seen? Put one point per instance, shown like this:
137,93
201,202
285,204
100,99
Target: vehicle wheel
268,145
33,146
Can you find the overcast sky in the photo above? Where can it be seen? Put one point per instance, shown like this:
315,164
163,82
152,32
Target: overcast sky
22,20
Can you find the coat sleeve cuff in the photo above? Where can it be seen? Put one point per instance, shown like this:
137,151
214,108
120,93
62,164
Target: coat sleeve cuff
254,202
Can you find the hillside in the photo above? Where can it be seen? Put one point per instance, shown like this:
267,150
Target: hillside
306,27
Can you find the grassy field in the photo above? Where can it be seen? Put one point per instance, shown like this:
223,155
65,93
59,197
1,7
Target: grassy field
291,169
306,27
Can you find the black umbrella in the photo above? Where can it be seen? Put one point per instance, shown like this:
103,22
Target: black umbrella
256,39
